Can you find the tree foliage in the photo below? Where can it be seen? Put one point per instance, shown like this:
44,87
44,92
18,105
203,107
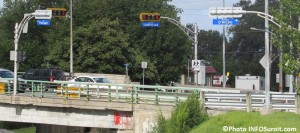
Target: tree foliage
287,15
106,35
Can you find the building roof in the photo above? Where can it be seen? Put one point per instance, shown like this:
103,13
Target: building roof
210,69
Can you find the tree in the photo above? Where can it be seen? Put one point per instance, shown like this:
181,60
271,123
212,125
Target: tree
107,34
287,15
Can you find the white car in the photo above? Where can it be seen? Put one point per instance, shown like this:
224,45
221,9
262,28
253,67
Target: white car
104,82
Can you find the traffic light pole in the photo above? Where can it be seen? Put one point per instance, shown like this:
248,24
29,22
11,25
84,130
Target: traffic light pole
187,31
18,31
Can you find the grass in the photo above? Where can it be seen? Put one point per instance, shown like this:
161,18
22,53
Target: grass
243,121
24,130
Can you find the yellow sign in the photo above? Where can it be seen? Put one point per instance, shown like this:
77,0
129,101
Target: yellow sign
150,17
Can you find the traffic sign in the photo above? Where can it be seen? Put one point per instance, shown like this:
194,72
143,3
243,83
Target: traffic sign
196,65
43,22
221,78
226,21
263,61
151,24
43,14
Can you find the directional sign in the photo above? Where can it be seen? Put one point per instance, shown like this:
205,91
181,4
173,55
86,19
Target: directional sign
151,24
196,65
43,14
226,21
43,22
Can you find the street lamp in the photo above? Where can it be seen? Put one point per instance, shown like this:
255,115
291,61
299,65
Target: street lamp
280,58
237,12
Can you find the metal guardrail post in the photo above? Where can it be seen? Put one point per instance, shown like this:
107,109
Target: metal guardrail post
202,98
297,103
87,93
136,95
156,96
248,102
109,94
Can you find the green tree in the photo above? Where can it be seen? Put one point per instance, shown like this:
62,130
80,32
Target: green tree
106,35
287,15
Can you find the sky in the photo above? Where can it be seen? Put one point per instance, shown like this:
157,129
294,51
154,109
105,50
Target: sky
196,11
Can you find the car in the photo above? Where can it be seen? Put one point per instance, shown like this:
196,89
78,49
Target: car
43,74
7,76
5,73
104,82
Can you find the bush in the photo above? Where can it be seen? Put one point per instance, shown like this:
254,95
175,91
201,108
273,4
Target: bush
187,114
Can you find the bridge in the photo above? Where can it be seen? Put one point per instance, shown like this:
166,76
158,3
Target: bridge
124,108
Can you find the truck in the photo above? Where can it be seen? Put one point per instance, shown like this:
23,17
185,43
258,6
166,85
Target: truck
250,82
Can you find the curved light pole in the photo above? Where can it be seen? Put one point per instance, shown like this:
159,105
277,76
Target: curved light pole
187,31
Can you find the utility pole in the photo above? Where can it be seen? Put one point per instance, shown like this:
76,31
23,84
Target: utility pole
71,39
267,54
196,52
280,61
224,76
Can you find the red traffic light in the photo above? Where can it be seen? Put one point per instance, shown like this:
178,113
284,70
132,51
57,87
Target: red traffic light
150,17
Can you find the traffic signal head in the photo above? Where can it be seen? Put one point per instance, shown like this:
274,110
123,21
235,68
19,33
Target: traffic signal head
58,12
150,17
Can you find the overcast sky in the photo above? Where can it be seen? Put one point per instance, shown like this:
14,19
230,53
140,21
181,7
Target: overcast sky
196,11
1,3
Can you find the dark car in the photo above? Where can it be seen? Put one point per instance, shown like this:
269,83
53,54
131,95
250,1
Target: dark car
45,74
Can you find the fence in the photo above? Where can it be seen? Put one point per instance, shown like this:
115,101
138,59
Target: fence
211,97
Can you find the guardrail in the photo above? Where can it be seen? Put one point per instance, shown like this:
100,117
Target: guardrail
211,97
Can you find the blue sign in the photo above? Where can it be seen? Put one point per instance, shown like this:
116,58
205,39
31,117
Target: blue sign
226,21
43,22
151,24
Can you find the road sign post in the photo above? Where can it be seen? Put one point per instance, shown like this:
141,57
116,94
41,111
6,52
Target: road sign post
144,66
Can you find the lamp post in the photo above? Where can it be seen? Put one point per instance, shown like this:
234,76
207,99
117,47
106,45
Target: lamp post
71,38
224,69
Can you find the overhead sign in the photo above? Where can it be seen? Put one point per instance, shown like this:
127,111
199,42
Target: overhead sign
228,21
43,22
43,14
151,24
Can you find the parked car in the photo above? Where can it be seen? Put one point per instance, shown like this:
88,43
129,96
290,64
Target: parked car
7,76
103,82
5,73
44,74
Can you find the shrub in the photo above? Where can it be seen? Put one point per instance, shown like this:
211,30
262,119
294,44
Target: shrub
187,114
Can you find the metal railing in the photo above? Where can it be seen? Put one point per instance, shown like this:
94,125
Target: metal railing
211,98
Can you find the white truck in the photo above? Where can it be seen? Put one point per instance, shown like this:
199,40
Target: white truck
250,82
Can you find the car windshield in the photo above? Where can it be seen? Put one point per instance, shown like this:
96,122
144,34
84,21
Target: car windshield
6,74
102,80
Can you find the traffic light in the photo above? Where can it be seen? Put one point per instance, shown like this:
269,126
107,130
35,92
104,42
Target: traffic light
150,17
226,12
58,12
